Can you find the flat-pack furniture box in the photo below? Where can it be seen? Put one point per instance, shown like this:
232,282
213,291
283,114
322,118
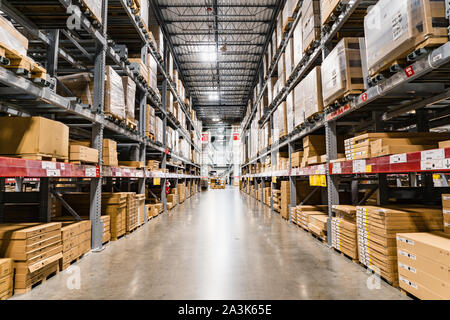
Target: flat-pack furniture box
6,278
394,29
33,137
129,91
328,8
312,93
342,73
424,264
83,154
310,23
114,94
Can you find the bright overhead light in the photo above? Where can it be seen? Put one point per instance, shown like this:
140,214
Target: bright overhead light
216,119
208,53
213,96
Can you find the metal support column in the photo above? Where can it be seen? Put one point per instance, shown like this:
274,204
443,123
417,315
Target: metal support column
273,160
332,181
52,52
2,194
97,136
45,200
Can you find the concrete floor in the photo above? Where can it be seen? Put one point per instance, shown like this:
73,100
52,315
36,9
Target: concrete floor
221,244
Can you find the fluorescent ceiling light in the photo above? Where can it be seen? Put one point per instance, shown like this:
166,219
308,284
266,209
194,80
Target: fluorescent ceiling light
208,53
216,119
213,96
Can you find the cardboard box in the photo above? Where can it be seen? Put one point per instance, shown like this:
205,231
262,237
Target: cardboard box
33,136
391,31
11,38
327,8
342,71
114,94
84,154
312,93
310,23
129,90
6,267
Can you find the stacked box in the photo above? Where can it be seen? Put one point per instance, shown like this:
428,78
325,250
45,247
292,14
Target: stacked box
106,234
341,70
392,30
131,216
289,57
296,159
343,230
152,66
83,154
379,144
159,133
280,122
159,38
310,23
299,104
80,85
318,226
153,165
6,278
285,199
76,239
313,146
290,113
33,136
424,265
109,153
293,217
129,92
312,93
276,197
446,212
35,248
377,228
297,39
150,125
140,207
114,94
305,211
181,191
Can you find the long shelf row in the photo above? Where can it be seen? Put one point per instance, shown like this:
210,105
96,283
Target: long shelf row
15,167
437,160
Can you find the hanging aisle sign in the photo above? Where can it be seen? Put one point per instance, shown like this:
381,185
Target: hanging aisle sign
156,181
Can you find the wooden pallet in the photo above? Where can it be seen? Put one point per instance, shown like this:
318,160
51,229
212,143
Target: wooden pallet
151,136
393,283
51,270
131,124
114,117
287,25
315,117
315,236
118,237
135,7
68,264
400,62
346,256
78,162
335,14
39,157
407,294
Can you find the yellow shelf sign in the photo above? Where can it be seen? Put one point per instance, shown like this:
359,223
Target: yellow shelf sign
156,181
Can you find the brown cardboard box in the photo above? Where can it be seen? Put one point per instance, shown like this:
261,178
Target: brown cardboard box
33,136
310,23
327,7
83,154
6,267
444,144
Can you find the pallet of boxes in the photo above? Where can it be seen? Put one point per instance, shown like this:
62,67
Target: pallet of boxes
76,241
6,278
377,229
36,250
343,231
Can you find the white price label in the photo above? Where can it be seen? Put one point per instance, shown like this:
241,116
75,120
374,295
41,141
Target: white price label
359,166
53,172
337,168
63,167
118,173
437,154
126,170
48,165
321,170
140,174
432,165
90,172
398,158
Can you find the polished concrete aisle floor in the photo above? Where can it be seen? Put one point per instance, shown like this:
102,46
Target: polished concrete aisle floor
221,244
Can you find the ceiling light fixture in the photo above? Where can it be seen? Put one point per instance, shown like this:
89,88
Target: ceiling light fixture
208,54
213,96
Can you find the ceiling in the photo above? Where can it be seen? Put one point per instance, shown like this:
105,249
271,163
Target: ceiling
218,46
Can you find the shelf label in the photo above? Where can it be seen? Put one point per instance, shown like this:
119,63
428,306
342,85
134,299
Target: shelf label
369,168
398,158
321,170
53,172
359,166
337,168
90,172
63,167
48,165
437,154
156,181
118,173
140,174
431,165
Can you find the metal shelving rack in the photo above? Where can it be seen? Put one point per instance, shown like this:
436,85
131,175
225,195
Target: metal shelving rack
431,67
92,49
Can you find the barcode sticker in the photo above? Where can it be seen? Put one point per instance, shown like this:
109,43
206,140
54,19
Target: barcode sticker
48,165
398,158
53,172
337,168
431,165
359,166
90,172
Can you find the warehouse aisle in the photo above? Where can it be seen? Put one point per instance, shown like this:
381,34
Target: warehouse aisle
221,244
